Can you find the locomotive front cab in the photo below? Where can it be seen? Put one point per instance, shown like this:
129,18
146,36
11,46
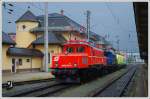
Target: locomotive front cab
73,56
78,61
68,63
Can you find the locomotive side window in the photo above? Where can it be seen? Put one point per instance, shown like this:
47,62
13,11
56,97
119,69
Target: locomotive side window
69,49
80,49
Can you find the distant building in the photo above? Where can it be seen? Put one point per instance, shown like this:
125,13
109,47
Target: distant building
134,57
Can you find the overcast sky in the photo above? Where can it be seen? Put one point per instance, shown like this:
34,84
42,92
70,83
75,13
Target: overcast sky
116,20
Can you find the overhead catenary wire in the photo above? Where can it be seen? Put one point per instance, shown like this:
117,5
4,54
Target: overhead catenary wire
8,10
117,22
116,19
12,9
12,12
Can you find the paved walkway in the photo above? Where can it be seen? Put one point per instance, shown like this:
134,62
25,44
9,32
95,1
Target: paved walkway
19,77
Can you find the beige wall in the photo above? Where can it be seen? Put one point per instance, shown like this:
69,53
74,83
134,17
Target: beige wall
55,48
23,36
34,62
6,60
25,64
37,62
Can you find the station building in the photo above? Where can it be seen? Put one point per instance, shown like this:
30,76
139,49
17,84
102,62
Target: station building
27,52
18,59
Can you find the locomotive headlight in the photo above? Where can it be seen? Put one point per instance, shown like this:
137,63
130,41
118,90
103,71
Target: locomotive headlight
75,65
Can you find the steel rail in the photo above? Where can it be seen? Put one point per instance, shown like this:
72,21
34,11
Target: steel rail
116,87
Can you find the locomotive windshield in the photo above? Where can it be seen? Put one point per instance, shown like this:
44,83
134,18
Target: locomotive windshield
69,49
80,49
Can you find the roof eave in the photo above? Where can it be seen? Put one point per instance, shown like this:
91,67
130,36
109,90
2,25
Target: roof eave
6,43
20,55
25,21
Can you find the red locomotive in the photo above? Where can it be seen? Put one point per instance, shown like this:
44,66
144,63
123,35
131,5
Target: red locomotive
78,61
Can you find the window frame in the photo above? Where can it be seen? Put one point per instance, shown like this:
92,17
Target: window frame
23,27
20,61
28,60
71,51
77,49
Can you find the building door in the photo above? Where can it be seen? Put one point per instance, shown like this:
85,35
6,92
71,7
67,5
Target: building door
13,65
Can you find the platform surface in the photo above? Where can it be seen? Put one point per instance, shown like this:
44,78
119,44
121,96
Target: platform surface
28,76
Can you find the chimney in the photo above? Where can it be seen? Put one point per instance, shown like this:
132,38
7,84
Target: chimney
62,12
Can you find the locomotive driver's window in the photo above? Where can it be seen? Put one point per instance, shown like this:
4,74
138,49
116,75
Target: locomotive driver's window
69,50
80,49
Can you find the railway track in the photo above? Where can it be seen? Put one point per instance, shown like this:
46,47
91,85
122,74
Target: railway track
38,89
49,91
113,88
117,87
4,85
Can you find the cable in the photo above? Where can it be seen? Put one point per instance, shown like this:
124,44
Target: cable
116,19
20,9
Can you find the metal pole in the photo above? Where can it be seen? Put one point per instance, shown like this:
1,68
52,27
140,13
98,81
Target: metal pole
88,25
46,38
118,44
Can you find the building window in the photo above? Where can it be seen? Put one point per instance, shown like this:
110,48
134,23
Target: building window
20,61
23,26
28,60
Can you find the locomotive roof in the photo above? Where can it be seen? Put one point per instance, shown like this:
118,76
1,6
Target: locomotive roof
82,43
